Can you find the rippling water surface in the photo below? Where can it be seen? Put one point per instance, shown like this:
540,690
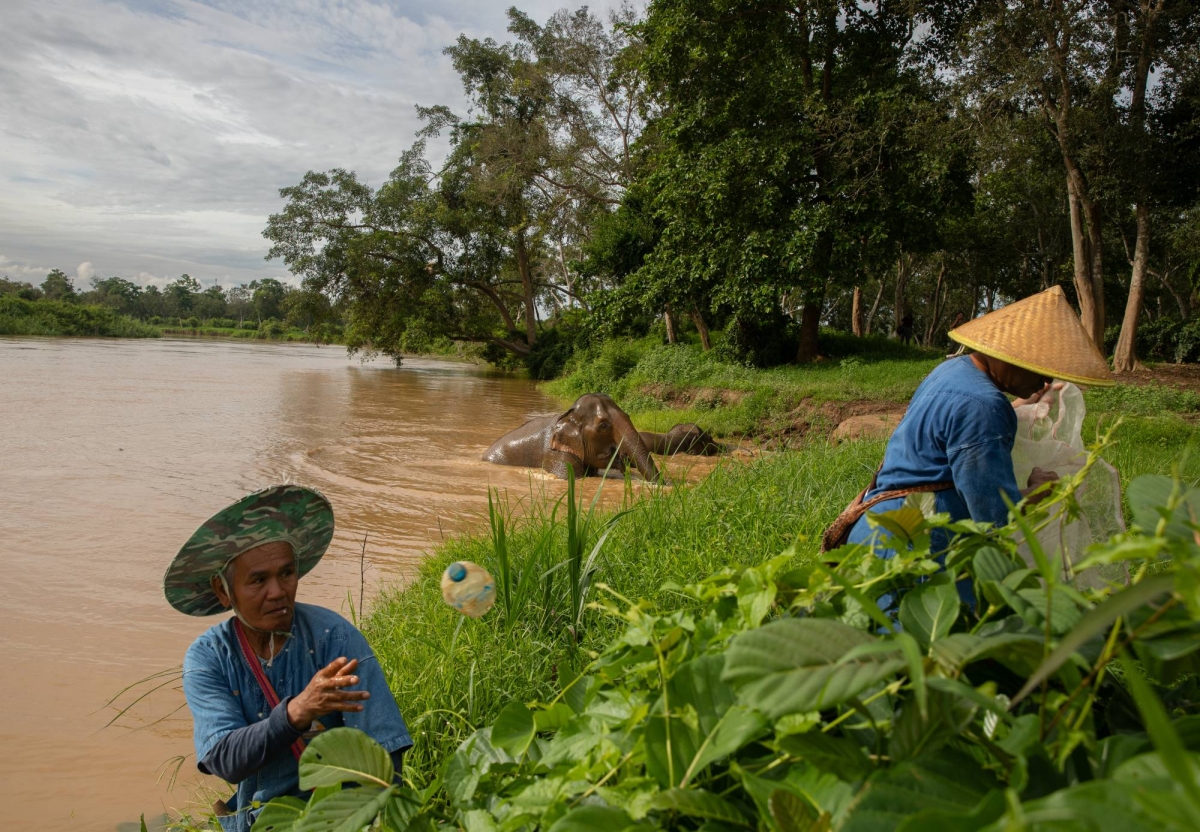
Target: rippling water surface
112,452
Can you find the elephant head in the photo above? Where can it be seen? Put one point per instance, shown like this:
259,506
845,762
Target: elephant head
594,429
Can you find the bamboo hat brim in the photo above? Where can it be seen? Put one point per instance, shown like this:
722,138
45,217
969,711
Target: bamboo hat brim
1040,333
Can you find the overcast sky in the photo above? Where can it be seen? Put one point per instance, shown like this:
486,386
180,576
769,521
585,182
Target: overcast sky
146,139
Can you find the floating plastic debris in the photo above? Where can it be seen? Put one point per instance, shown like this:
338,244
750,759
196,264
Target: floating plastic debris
468,588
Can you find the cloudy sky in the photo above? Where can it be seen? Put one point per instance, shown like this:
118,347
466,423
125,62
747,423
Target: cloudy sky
147,138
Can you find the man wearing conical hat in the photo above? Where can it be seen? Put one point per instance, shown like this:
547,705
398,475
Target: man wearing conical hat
956,438
264,681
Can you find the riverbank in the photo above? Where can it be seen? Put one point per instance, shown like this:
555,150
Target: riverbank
452,675
663,385
58,318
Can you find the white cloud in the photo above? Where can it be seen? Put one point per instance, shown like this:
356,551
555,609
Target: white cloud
151,137
84,272
22,271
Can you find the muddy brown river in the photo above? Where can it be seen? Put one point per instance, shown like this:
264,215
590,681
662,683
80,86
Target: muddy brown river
113,451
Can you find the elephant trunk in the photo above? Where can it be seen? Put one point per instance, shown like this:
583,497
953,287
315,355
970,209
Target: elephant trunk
632,446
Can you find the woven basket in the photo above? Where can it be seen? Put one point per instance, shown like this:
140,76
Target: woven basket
1040,333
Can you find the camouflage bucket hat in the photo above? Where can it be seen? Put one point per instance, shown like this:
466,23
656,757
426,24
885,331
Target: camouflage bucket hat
291,513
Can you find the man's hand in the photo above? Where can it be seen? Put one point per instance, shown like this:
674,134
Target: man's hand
1038,477
1039,395
325,694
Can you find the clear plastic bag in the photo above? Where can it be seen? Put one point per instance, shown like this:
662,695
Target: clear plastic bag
1049,436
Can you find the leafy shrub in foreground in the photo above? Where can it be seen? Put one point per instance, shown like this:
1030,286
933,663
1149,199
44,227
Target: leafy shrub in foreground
790,701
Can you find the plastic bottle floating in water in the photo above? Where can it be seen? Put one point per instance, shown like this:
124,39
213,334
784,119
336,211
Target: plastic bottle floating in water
468,588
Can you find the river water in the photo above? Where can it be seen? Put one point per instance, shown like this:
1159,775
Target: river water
113,451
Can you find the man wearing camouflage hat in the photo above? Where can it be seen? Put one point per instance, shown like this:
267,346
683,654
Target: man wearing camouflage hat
276,673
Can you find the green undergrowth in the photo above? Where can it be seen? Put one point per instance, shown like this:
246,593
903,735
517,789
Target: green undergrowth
452,676
57,318
241,334
847,693
662,385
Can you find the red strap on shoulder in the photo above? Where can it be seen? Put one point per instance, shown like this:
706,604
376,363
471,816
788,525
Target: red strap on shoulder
263,682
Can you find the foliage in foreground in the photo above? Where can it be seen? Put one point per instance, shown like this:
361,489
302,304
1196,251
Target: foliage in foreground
50,317
781,698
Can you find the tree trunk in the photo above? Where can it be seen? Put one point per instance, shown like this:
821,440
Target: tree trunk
1090,308
810,324
903,272
527,287
702,328
938,305
874,306
856,312
669,320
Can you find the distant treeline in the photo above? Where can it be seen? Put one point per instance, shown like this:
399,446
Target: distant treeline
264,308
20,316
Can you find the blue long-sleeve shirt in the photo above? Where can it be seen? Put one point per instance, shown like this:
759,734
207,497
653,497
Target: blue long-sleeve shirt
241,739
958,428
244,751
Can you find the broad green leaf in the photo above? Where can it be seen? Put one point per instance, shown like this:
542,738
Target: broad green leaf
719,728
991,564
793,665
1148,496
513,729
469,763
401,808
477,820
346,811
697,803
946,780
946,820
839,756
792,814
1097,805
929,611
824,792
553,718
916,668
1149,766
593,819
279,815
344,755
1019,652
955,688
1095,622
1064,611
1179,763
916,733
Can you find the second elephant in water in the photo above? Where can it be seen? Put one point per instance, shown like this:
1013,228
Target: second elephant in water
593,437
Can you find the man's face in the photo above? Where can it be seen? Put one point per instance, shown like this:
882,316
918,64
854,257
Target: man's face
263,582
1015,380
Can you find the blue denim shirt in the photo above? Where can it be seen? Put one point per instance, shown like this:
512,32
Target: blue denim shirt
958,428
223,696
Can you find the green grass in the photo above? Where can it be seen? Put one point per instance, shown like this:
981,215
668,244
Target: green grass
451,674
55,318
226,332
662,385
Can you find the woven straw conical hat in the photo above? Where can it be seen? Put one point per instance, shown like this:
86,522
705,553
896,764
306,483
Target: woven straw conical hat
1040,333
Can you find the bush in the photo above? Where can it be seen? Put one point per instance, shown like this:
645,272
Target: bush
762,340
50,317
190,323
1163,339
272,328
781,697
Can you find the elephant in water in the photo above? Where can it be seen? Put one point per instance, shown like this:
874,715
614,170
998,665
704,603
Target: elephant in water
588,437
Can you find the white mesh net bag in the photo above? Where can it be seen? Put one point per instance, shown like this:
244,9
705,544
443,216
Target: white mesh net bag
1049,437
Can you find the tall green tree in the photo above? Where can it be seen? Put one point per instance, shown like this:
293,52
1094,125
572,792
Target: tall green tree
57,286
790,150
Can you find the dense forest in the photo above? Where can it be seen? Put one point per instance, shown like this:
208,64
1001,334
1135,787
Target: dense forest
743,173
764,170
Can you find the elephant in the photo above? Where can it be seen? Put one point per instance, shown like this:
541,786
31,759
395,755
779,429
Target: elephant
594,437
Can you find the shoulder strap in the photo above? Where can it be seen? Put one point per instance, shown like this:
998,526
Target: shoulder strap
263,682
